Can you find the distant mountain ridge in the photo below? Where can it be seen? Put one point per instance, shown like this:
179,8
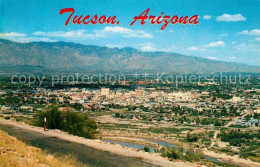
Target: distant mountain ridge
70,56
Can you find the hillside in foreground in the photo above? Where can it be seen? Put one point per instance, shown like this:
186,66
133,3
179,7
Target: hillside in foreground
15,153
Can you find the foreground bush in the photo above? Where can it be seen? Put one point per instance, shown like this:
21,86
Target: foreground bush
75,123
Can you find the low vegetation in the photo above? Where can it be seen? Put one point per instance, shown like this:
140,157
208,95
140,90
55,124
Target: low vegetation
191,154
248,141
69,121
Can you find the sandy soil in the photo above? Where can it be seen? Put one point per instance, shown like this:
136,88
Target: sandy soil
232,159
153,158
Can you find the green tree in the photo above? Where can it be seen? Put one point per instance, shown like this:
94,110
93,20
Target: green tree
69,121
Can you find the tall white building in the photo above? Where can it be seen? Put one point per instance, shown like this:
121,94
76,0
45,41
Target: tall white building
139,92
105,91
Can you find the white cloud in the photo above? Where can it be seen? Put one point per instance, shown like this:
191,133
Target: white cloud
231,18
244,32
241,46
21,37
106,32
247,47
207,17
194,48
255,32
212,57
78,34
216,44
31,39
12,35
232,58
113,46
148,49
127,33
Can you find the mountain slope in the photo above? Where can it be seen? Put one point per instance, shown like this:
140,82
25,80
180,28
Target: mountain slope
71,56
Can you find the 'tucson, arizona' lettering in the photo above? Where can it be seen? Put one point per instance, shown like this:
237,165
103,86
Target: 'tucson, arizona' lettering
143,18
86,19
165,20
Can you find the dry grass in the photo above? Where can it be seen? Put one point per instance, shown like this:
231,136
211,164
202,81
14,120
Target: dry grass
15,153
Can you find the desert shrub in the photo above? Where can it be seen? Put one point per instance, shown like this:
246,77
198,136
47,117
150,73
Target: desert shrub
7,118
193,155
171,153
146,149
75,123
192,137
178,153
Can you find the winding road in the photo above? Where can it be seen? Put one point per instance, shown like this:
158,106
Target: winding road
86,155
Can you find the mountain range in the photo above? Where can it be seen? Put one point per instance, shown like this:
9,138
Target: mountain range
73,57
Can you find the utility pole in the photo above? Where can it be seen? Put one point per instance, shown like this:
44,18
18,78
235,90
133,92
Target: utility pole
44,120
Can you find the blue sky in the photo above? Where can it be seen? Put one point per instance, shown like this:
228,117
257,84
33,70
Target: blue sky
228,30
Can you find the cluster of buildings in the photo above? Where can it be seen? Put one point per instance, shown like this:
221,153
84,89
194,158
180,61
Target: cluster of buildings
245,101
251,122
151,97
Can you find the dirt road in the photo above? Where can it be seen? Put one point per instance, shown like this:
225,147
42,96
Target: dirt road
86,155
